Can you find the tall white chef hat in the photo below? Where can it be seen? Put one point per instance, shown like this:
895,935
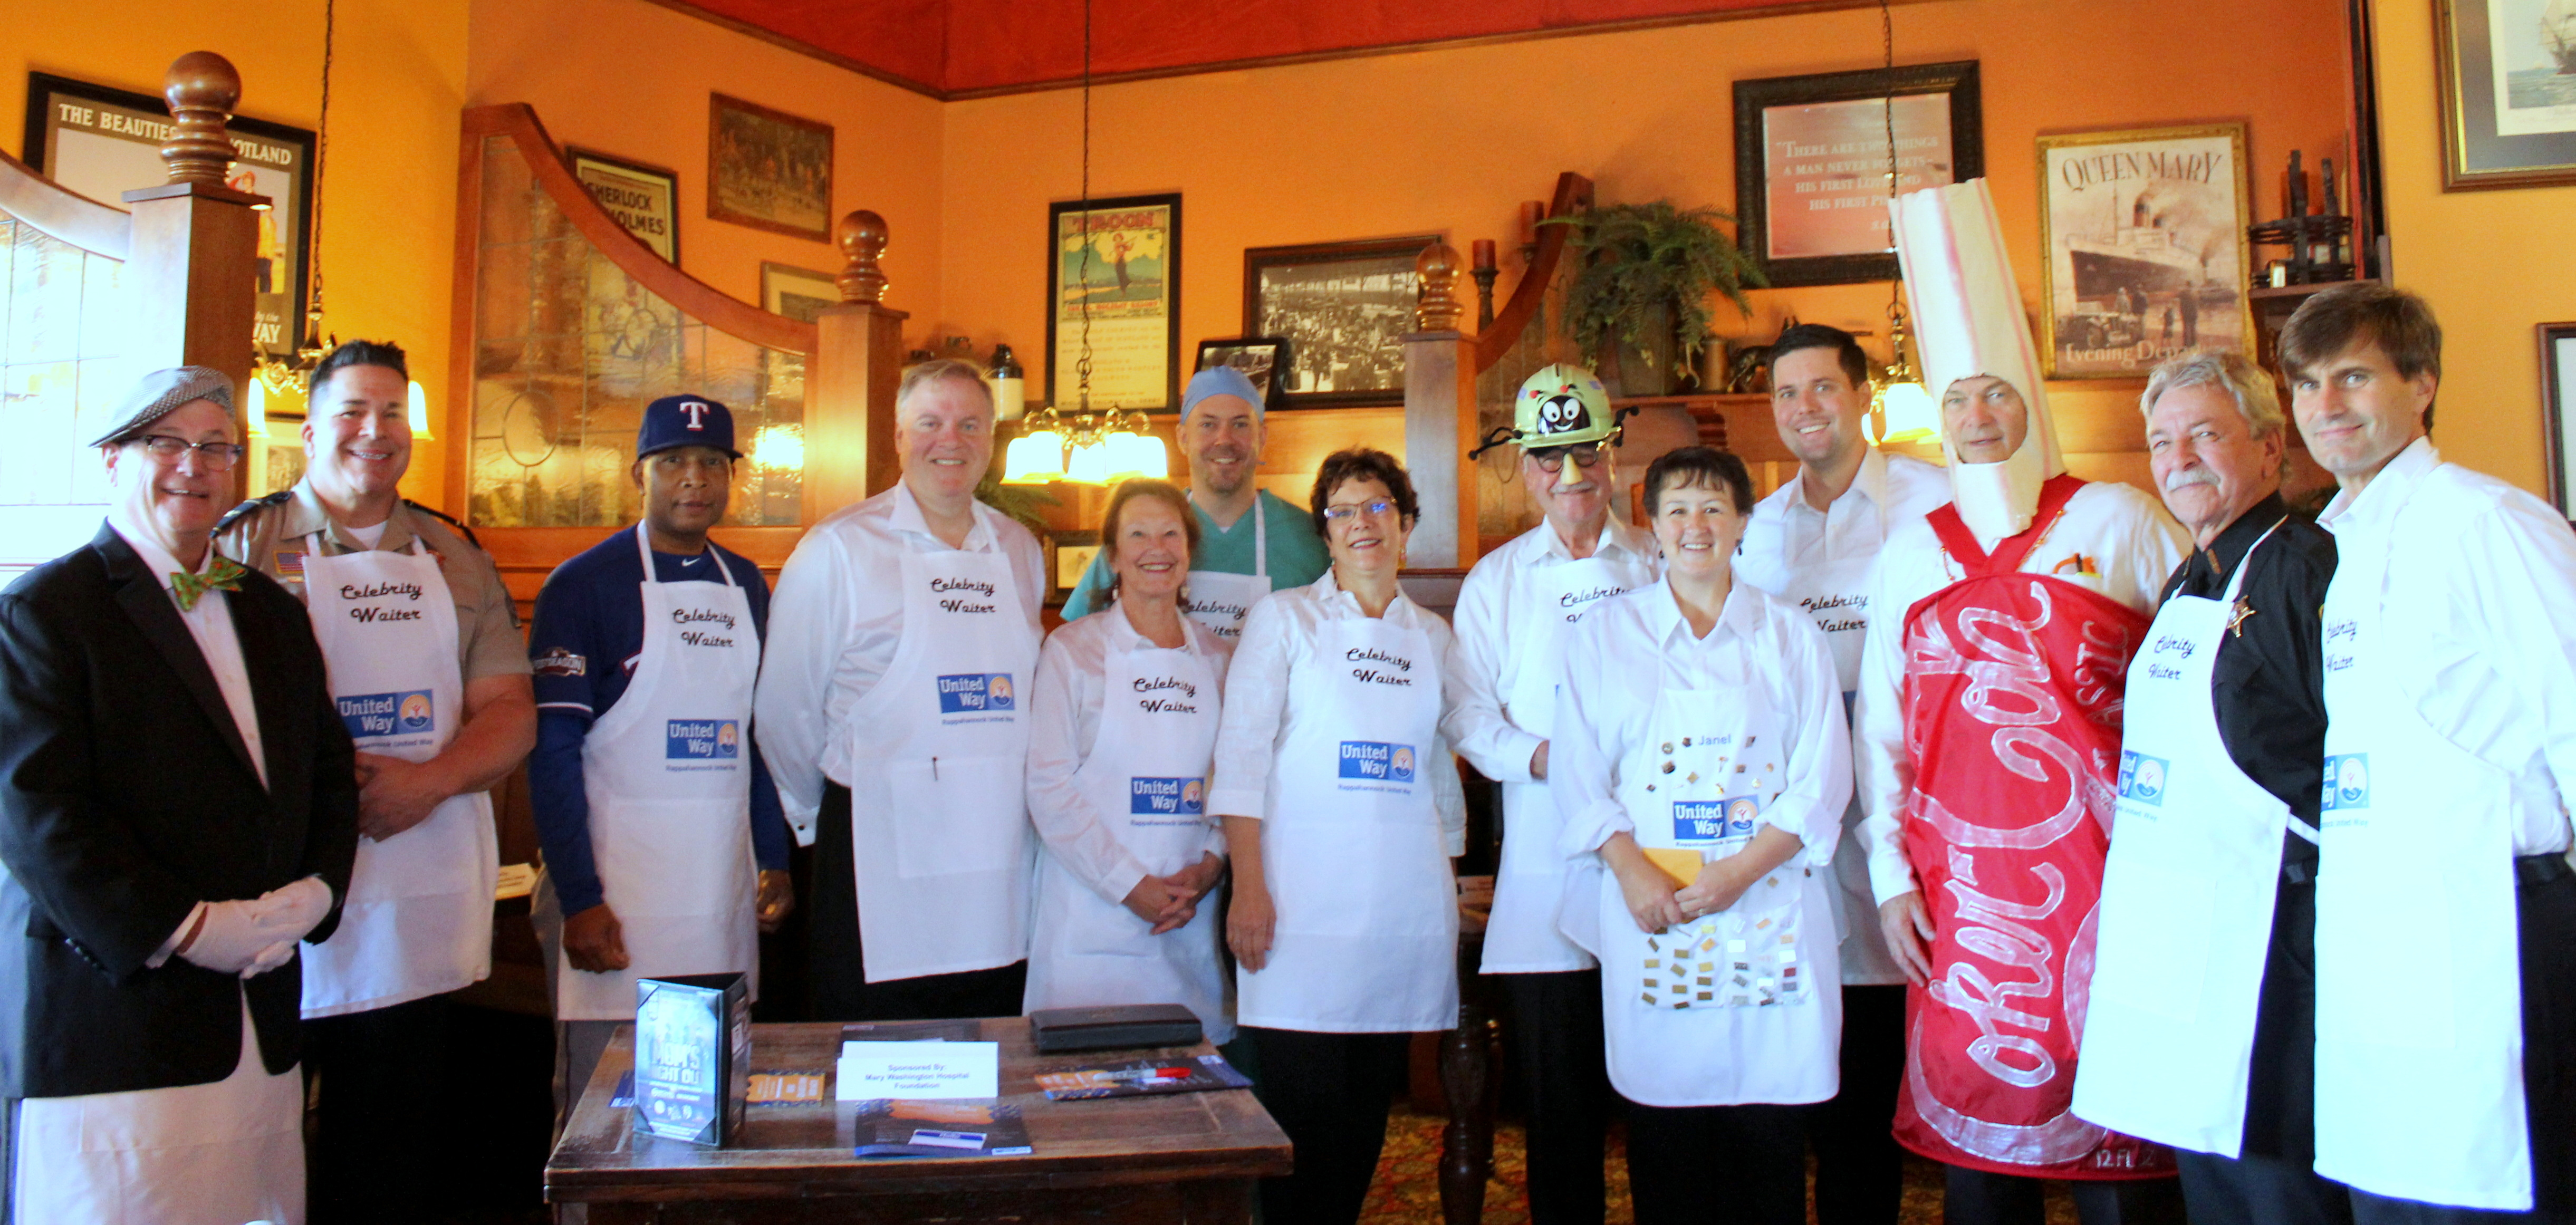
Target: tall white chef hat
1968,321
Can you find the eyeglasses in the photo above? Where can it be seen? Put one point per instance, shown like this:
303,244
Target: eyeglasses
1552,459
214,456
1335,514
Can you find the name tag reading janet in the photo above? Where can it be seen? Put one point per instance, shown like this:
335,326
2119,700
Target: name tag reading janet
872,1070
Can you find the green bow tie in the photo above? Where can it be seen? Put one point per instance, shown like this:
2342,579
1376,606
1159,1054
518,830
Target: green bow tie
224,575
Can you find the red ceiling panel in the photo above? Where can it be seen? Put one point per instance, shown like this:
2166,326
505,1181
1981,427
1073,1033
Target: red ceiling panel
969,46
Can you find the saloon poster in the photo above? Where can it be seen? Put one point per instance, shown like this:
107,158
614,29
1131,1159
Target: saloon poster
2144,235
1113,273
105,142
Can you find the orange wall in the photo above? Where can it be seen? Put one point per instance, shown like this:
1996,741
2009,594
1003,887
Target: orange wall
389,199
2493,264
1452,140
631,80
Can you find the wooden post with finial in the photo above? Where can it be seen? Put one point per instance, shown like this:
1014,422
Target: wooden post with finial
1440,416
192,276
851,376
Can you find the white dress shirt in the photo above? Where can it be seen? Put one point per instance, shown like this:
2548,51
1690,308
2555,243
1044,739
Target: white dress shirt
1491,604
1064,726
2112,539
1787,535
1279,635
210,623
834,623
2482,603
1634,646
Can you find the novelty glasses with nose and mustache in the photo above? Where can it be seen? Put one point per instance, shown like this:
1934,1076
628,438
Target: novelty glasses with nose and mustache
1552,459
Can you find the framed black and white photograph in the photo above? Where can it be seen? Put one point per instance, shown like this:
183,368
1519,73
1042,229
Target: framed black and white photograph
798,293
104,142
1343,308
1811,205
1114,285
2558,409
768,169
1260,358
644,199
2508,92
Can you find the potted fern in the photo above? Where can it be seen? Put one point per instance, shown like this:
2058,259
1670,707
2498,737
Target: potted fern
1649,274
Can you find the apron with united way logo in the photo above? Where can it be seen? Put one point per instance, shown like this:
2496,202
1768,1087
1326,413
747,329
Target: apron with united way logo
418,920
939,819
668,774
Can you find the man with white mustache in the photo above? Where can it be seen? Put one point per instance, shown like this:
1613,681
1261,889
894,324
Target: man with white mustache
1515,614
1251,542
2224,727
1815,542
431,673
1987,720
902,637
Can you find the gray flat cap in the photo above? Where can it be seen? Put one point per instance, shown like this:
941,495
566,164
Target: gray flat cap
160,393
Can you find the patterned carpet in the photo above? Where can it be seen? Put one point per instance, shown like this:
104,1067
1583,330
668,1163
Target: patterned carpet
1407,1190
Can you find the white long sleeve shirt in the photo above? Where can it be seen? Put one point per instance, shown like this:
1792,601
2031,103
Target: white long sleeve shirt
2482,604
2112,539
1634,646
1493,603
1280,636
834,623
1064,727
1787,535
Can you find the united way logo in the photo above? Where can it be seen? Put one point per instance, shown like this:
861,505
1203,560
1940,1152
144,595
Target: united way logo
1166,797
2347,782
1740,813
387,714
2142,778
1377,762
1699,820
702,740
974,692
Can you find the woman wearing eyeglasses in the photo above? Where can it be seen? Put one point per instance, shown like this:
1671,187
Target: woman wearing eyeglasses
1701,764
1121,724
1341,809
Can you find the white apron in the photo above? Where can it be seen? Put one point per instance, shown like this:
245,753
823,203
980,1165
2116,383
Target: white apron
419,916
1836,596
1522,936
1220,600
219,1153
938,808
2187,895
668,774
1366,939
1147,778
1739,1006
2419,988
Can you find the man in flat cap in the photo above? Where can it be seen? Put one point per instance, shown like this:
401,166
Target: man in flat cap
431,677
149,976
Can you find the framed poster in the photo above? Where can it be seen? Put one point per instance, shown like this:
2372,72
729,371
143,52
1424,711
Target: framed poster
2508,92
1114,272
798,293
2143,232
1344,309
1812,205
2558,408
104,142
1260,358
645,200
768,169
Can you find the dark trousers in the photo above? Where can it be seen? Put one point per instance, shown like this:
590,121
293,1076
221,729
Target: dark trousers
837,965
1556,1033
1329,1092
1976,1197
2257,1190
379,1151
1860,1171
1718,1163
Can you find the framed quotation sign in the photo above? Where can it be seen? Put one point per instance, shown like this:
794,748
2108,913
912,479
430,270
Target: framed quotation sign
1812,158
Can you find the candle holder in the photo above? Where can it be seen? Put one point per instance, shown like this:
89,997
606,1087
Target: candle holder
1484,295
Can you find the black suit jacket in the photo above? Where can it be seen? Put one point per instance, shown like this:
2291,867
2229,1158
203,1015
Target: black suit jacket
126,797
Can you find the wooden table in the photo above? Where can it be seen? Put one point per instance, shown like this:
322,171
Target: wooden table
1186,1157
